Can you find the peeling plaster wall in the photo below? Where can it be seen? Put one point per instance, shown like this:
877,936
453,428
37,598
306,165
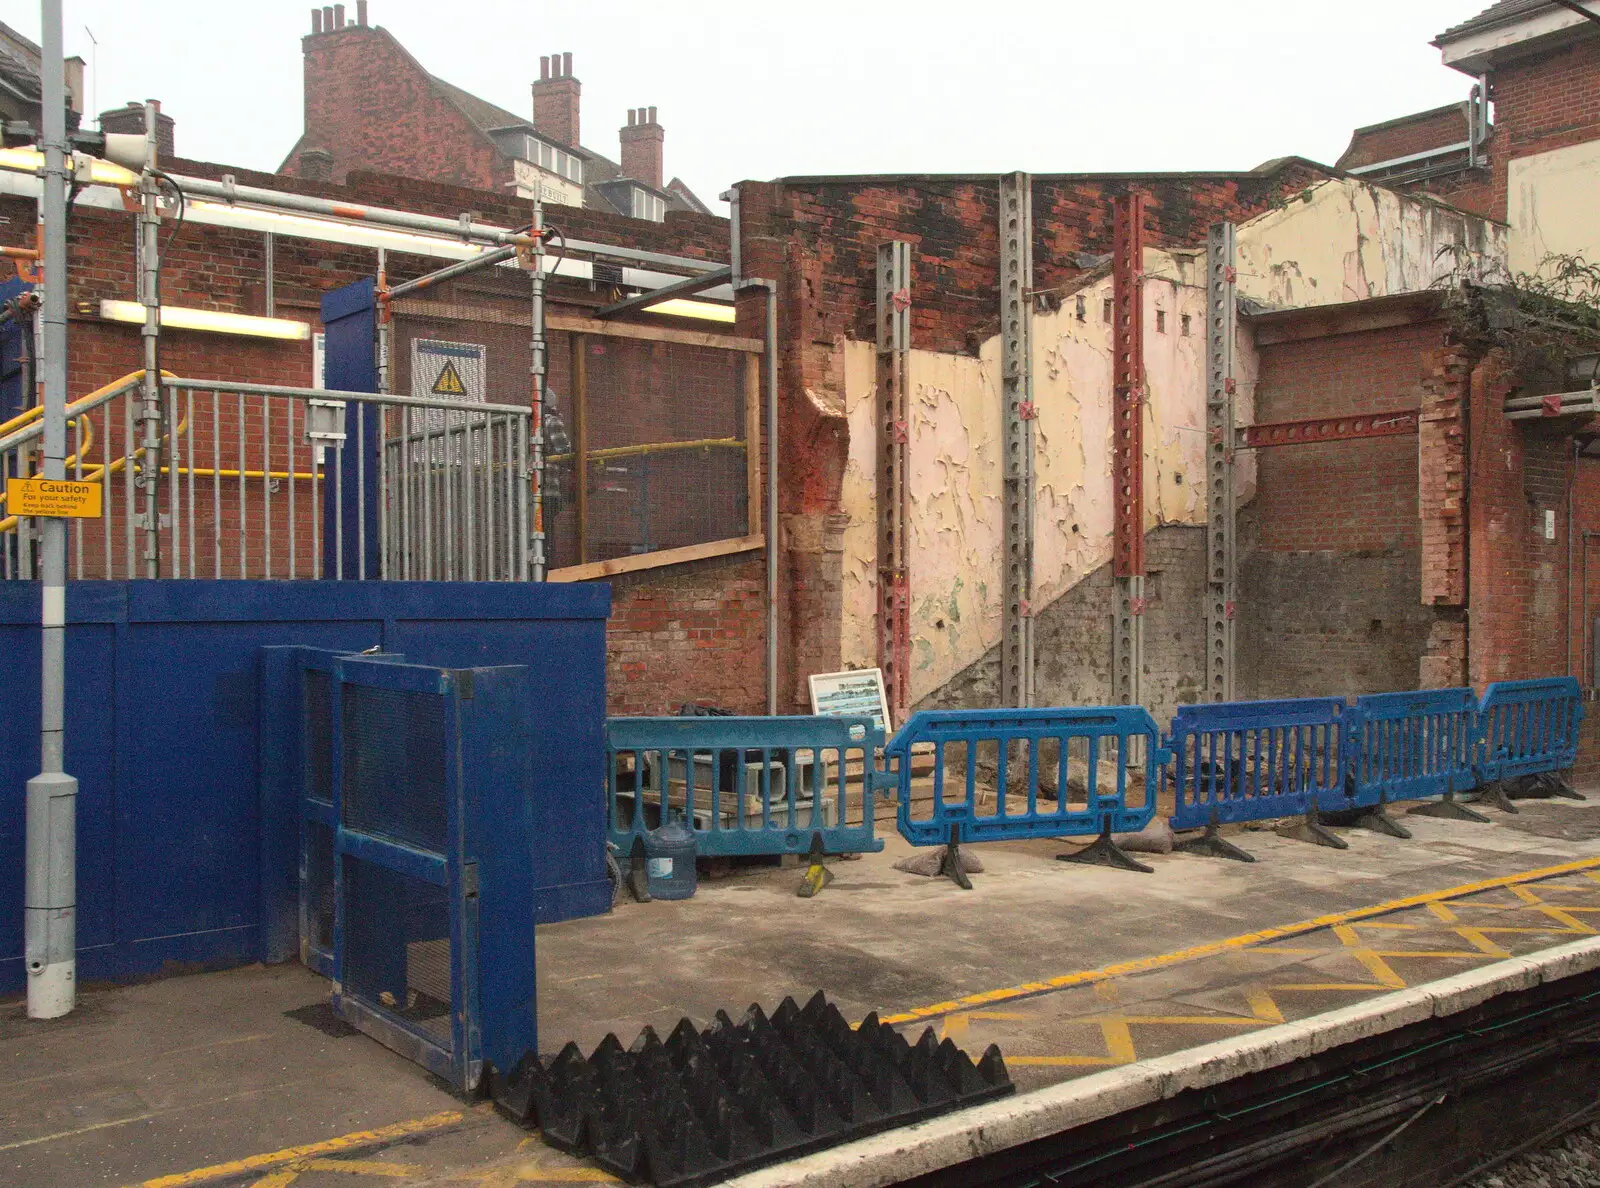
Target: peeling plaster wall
1551,202
1345,240
955,475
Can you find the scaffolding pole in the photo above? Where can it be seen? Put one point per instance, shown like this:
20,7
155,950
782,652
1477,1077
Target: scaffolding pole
1221,316
894,578
50,883
149,477
1127,467
537,366
1016,371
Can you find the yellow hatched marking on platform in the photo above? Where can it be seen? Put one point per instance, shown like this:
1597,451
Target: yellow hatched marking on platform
309,1151
1586,866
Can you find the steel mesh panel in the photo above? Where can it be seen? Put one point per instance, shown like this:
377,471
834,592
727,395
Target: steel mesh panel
317,885
397,952
318,702
646,401
394,765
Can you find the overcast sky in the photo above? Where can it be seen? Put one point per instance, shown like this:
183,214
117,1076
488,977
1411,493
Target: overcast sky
760,90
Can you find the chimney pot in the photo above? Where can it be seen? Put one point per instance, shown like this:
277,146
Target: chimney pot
631,114
544,67
361,13
338,16
652,115
316,20
555,65
327,18
566,65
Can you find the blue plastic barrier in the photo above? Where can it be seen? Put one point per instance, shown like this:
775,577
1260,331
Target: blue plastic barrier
746,786
1411,746
1529,727
1253,760
1034,740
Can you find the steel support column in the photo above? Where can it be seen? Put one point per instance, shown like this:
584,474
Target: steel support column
536,365
894,577
1221,318
1127,427
1016,372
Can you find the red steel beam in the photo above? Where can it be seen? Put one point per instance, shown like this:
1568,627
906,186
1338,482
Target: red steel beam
1128,378
1318,429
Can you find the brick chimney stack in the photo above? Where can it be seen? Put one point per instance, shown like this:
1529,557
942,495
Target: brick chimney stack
642,138
555,99
130,119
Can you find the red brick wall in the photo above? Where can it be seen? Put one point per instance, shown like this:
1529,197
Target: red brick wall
1346,495
1401,138
692,632
369,104
1331,546
1546,102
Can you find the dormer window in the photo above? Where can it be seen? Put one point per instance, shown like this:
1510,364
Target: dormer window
648,206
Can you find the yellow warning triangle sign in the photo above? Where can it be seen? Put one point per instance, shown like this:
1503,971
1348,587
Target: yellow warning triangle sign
449,381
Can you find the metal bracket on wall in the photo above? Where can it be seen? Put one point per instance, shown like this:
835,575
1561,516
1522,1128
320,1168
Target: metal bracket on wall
1016,371
894,579
1221,558
1127,464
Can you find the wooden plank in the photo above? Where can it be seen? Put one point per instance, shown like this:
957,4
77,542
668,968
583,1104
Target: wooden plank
752,440
697,552
451,311
580,413
727,342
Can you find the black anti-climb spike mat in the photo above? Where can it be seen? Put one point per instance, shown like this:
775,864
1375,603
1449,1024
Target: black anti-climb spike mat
702,1105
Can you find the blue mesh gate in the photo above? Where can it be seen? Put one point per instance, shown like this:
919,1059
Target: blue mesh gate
431,840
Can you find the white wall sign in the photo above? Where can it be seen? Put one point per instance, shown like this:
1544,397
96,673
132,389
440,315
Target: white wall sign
854,694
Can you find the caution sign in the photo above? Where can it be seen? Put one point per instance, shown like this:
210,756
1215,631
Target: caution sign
51,497
449,370
449,381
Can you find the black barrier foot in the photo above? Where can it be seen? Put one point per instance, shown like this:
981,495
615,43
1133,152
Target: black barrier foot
1494,795
638,877
1378,820
1560,787
1211,845
1311,829
817,875
950,867
1450,809
1105,852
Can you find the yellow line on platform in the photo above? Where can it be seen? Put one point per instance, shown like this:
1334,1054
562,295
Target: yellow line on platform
345,1142
1245,941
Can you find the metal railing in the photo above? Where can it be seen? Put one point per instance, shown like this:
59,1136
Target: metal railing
266,481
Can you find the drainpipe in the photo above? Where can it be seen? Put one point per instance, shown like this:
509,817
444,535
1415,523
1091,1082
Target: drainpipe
771,351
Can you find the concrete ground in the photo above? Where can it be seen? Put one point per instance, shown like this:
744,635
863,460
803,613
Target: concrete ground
245,1077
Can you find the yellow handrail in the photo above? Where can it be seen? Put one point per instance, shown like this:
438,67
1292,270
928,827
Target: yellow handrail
27,416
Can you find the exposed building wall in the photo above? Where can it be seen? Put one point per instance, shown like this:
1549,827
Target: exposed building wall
957,523
1330,553
1425,131
1551,203
1343,240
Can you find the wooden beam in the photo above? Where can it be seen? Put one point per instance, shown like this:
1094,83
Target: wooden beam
727,342
662,557
580,416
450,311
752,440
